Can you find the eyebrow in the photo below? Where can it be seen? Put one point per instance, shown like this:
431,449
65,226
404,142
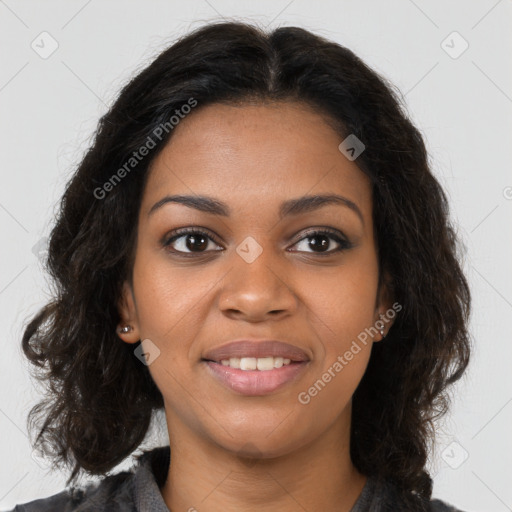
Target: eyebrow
297,206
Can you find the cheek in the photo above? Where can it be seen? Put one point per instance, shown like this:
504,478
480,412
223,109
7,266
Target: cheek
343,345
344,302
170,312
342,308
167,299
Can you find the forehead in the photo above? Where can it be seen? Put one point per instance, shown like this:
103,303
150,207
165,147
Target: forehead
254,154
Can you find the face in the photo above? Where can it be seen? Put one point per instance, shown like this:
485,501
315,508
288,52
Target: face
256,263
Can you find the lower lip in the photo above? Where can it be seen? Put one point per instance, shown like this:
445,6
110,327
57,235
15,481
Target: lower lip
255,382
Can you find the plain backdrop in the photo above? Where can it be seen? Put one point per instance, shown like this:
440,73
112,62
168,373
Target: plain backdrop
449,59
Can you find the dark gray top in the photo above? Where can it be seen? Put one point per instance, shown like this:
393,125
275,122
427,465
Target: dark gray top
138,490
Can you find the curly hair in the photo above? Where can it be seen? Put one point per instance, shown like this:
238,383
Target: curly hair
100,399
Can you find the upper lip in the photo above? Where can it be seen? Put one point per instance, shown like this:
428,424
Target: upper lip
255,348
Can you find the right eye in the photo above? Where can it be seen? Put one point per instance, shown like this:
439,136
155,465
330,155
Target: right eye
188,241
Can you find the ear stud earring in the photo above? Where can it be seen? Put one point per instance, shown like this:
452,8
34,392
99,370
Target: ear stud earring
125,329
381,328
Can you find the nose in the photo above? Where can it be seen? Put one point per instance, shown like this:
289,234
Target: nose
257,291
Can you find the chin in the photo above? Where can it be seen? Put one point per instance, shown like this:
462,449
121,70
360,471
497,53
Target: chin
258,442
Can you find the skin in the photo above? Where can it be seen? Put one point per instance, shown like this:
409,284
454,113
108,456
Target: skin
232,452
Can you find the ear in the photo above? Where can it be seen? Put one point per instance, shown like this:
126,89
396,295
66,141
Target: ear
128,327
385,309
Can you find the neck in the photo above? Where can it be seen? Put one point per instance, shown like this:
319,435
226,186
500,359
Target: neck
318,476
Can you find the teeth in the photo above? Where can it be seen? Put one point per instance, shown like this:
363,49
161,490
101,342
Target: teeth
265,363
247,363
253,363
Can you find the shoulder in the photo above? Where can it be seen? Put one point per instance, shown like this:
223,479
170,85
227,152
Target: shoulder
113,494
127,491
382,495
435,505
440,506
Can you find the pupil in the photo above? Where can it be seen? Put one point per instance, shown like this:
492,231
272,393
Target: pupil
324,244
203,243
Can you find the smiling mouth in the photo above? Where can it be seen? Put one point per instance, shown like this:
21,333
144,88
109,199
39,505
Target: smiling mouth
254,363
251,376
256,368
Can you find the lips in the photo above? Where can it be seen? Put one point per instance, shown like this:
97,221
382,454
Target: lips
256,349
255,382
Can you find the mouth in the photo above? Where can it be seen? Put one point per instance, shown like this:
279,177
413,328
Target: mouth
255,382
255,368
243,352
261,364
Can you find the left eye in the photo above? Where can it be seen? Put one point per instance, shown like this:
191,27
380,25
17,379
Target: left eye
320,241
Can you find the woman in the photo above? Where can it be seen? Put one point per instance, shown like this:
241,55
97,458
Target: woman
255,244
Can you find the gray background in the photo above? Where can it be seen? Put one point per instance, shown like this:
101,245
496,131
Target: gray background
462,103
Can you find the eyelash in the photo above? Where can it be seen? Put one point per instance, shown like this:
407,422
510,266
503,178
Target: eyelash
179,233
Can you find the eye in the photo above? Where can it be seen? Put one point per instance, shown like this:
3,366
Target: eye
320,242
188,241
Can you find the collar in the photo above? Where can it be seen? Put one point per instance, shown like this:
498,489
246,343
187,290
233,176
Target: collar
149,477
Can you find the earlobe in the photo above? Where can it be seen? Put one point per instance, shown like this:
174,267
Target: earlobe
385,320
127,333
127,328
381,326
